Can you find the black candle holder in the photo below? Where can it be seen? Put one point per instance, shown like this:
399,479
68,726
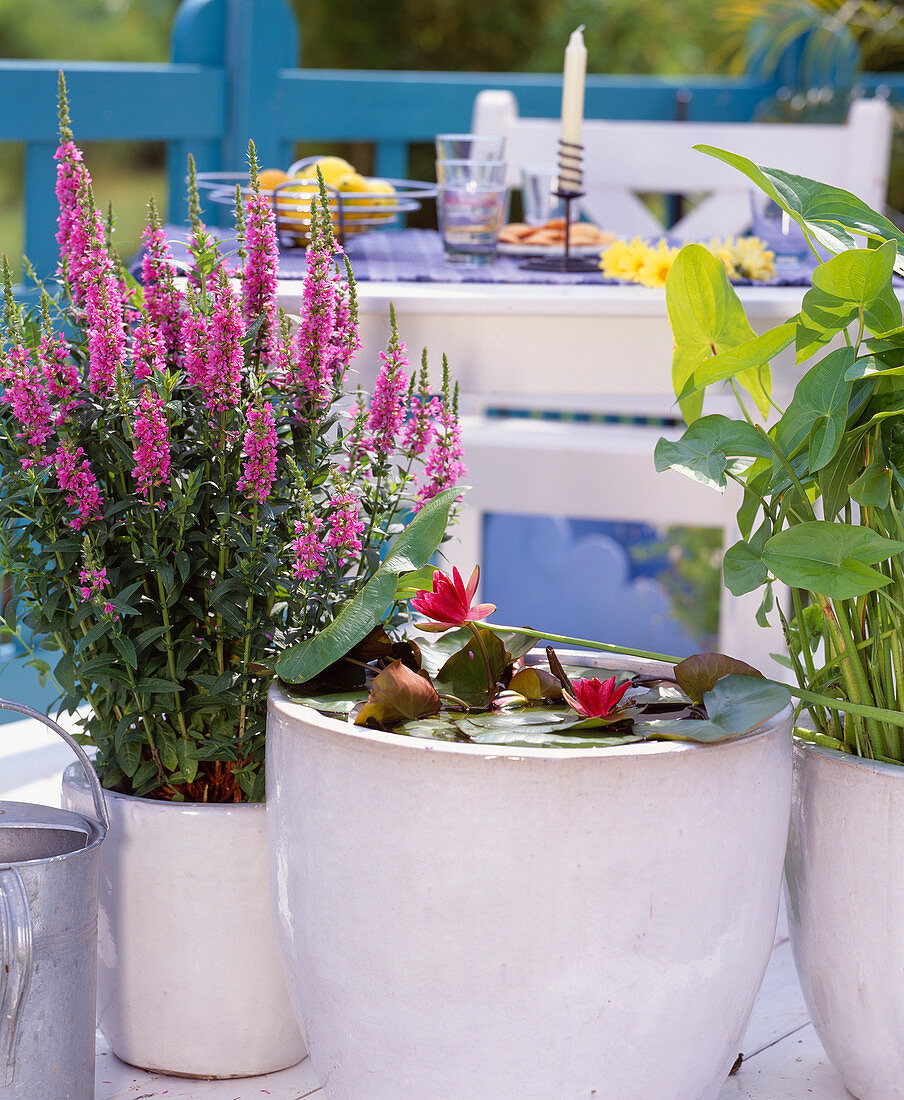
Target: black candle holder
568,189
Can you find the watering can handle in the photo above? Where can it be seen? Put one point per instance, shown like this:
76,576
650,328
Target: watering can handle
100,804
17,937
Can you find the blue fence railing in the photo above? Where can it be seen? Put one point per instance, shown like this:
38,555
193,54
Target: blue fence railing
233,77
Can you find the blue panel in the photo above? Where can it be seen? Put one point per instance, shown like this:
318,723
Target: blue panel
588,579
112,101
40,208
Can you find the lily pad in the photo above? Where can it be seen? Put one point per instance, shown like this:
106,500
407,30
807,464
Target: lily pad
737,706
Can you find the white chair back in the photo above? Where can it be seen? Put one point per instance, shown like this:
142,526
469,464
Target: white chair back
623,160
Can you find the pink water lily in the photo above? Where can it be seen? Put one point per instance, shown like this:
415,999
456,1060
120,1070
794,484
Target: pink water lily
449,604
595,699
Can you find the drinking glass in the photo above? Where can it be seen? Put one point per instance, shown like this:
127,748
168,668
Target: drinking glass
470,204
470,147
539,201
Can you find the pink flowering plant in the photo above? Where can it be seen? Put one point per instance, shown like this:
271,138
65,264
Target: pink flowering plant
188,494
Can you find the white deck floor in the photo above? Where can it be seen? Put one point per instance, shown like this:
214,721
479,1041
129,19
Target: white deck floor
783,1059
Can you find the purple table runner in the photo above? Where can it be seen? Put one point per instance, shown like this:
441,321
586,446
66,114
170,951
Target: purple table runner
416,255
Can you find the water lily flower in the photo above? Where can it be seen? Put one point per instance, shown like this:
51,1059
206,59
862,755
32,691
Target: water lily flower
449,604
595,698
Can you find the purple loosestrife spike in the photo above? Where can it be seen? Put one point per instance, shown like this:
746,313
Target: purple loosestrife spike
226,359
60,374
79,485
309,560
196,344
345,528
387,406
347,342
313,372
194,200
26,394
260,277
72,180
151,450
165,304
148,351
423,411
259,452
106,334
444,465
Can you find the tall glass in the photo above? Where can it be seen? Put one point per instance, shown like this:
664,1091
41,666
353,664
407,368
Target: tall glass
470,204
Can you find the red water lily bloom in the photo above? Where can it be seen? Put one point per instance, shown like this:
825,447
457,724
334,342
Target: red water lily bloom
449,604
594,699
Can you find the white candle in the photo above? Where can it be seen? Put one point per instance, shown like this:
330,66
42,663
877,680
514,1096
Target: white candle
573,105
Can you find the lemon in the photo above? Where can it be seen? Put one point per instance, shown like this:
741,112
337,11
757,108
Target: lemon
354,182
331,168
382,187
271,177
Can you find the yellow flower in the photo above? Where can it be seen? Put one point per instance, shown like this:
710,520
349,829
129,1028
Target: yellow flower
624,259
753,260
613,259
656,265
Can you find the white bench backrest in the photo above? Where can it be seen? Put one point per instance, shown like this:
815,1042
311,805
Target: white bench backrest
625,159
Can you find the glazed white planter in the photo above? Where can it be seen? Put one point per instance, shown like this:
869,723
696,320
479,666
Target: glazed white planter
189,978
487,923
845,891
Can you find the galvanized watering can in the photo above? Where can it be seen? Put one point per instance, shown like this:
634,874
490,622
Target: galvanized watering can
48,942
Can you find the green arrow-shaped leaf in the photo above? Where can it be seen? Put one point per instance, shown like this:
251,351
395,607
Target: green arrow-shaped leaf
830,216
711,447
818,411
706,316
833,559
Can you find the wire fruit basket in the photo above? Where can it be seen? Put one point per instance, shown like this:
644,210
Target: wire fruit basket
353,212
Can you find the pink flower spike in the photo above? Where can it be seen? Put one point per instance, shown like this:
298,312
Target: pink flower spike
449,604
594,699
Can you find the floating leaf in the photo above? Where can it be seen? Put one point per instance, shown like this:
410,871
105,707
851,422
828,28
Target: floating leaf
465,675
536,683
737,706
397,695
698,674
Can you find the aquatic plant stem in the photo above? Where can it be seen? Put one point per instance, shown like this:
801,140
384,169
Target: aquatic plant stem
586,643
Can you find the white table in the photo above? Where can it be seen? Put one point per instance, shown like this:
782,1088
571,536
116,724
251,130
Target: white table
783,1059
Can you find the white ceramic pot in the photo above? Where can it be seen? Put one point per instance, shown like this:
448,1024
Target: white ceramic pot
487,923
845,891
189,977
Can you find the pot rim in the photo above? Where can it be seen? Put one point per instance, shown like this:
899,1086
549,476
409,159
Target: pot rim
843,759
279,701
165,805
